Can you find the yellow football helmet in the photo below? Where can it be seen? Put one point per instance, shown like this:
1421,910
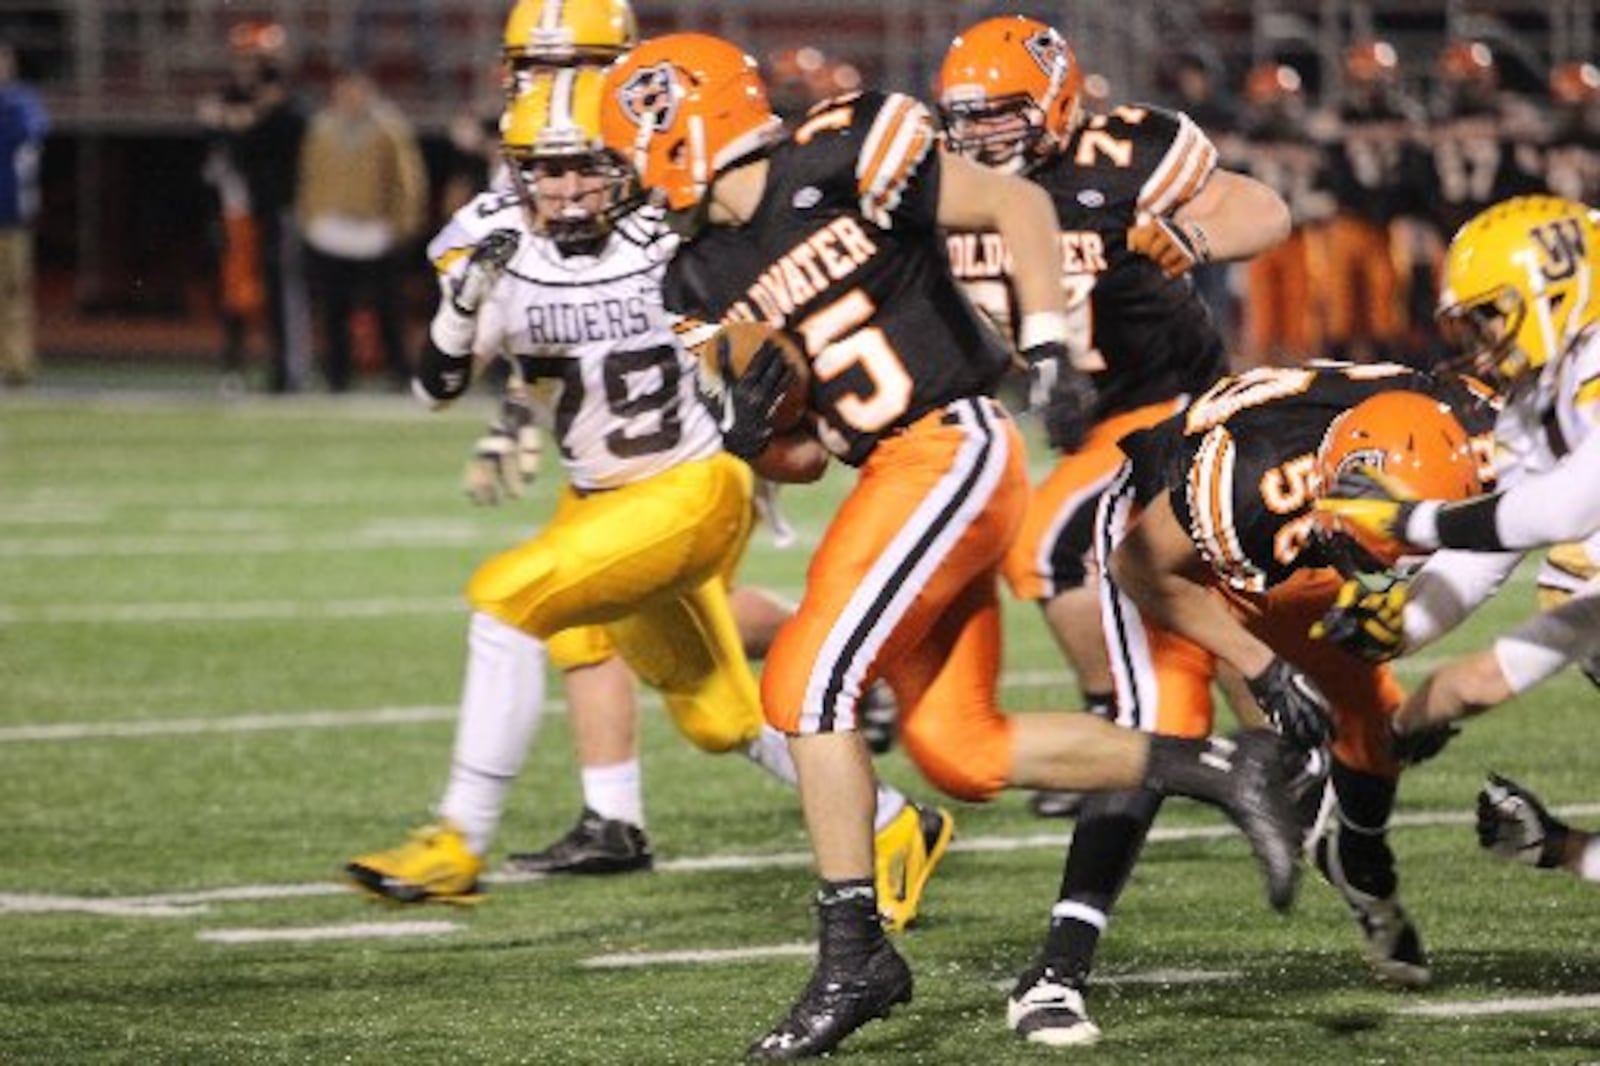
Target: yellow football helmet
573,186
1519,285
564,32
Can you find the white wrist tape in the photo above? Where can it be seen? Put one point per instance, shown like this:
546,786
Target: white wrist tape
1042,327
1589,863
451,331
1422,528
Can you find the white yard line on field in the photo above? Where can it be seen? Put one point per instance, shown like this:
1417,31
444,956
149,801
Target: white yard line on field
183,904
238,611
304,934
244,723
1466,1008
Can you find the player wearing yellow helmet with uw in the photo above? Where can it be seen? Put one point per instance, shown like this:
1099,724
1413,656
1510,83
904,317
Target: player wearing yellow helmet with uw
1520,303
566,288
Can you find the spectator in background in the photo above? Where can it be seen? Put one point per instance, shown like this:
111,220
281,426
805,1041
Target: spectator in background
241,293
1376,169
265,136
1281,309
801,77
363,198
23,124
1572,151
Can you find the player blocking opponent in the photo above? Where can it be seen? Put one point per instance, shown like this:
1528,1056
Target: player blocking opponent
1207,540
1139,202
834,232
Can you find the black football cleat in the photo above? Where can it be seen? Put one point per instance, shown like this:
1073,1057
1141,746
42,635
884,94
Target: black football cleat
835,1004
595,846
1256,799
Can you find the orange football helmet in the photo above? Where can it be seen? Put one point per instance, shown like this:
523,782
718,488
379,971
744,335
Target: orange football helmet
257,37
1009,92
681,108
1467,61
1575,83
1371,61
1271,82
1419,446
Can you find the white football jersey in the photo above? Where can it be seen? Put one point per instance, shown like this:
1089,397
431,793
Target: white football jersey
1546,426
606,370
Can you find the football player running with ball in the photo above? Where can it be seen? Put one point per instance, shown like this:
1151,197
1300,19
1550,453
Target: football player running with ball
834,232
566,287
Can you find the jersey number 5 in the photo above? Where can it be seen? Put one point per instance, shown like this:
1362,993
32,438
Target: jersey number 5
837,340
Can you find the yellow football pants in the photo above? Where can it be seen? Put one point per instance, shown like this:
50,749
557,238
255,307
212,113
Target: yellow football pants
648,563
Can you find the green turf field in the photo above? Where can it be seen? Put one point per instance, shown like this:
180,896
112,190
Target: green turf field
230,645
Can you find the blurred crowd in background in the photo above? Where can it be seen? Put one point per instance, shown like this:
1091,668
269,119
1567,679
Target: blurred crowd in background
288,211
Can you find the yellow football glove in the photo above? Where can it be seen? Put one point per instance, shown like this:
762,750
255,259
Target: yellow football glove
1367,618
1367,500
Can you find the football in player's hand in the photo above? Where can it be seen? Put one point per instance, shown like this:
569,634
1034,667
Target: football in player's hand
741,341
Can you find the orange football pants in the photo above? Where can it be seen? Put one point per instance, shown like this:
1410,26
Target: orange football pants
904,587
1363,296
1051,554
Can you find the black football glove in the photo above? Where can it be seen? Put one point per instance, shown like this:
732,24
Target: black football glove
1513,824
749,399
1294,706
1367,618
1063,395
483,269
1421,745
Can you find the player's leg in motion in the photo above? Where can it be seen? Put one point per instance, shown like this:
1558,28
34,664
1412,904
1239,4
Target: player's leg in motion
904,584
1163,685
521,599
1350,845
692,650
609,836
1048,563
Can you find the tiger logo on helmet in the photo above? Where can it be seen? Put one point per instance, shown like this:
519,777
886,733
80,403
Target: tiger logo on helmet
681,109
1419,448
572,186
1519,286
1009,92
557,33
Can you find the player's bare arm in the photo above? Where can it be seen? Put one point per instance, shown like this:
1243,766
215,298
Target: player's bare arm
1235,216
973,197
1158,566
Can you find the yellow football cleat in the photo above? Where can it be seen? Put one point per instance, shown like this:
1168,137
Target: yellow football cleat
908,849
434,865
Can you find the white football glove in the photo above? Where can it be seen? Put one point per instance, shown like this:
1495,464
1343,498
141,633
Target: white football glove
505,460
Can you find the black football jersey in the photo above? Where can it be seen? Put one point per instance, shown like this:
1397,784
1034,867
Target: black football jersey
844,251
1376,167
1238,463
1476,164
1149,337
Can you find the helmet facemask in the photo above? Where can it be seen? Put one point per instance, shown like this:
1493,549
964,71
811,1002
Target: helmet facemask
1006,133
1481,334
574,196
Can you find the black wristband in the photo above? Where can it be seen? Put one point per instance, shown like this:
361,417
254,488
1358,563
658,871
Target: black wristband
441,375
1470,524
